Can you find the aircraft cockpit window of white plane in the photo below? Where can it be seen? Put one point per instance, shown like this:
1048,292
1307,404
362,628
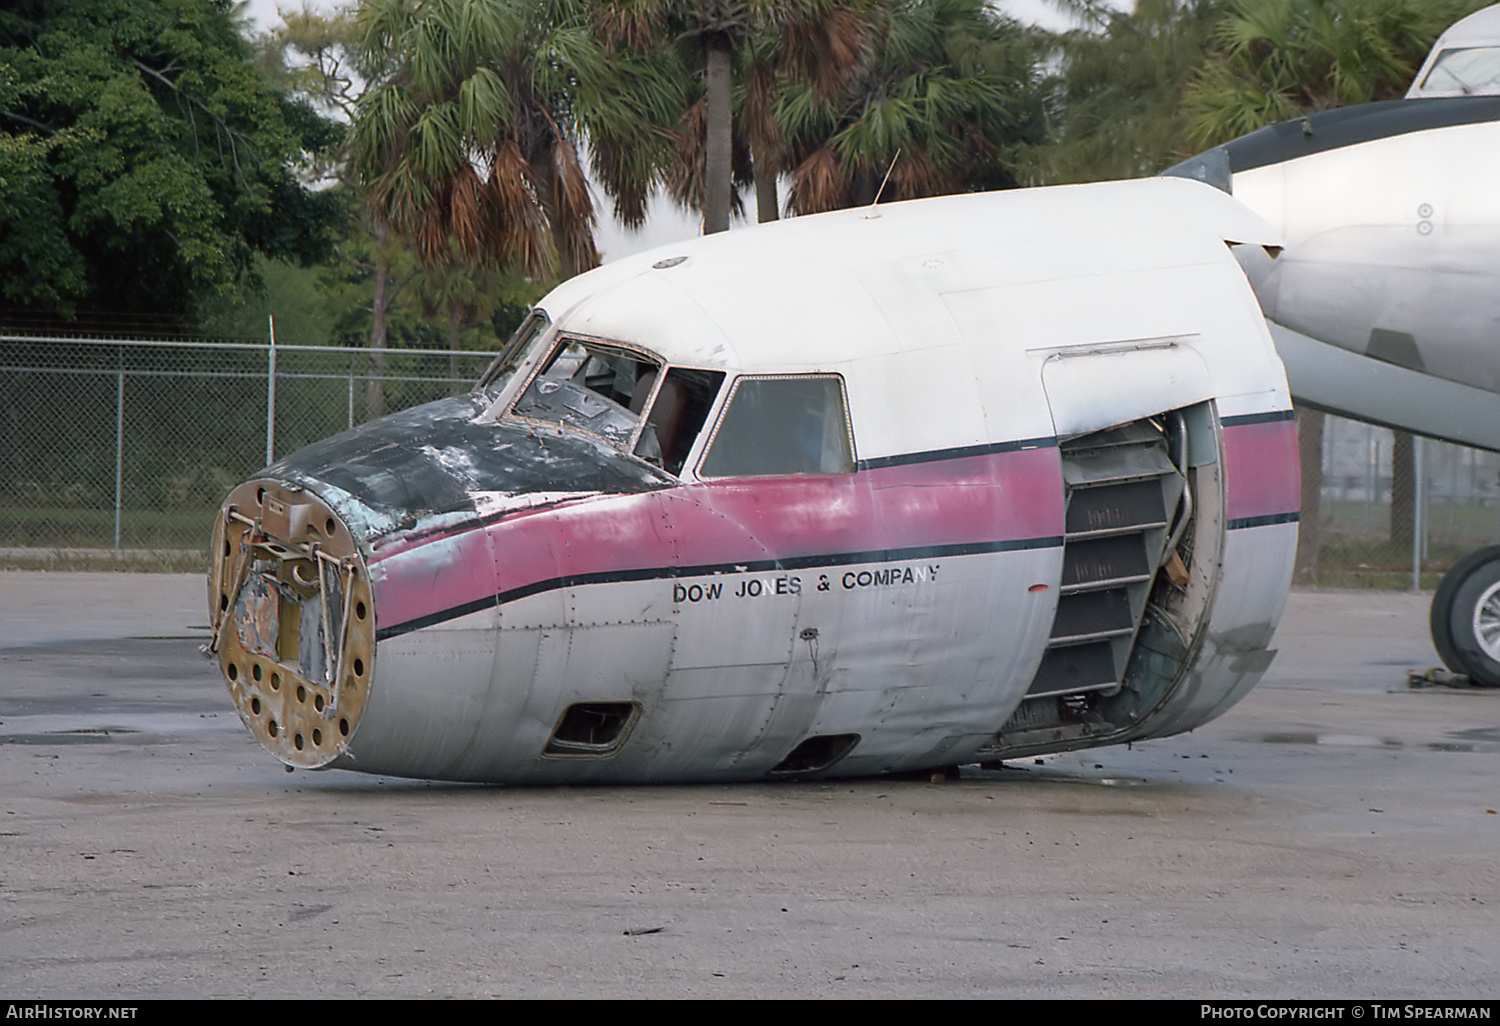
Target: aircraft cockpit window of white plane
1467,71
625,396
782,425
678,407
590,386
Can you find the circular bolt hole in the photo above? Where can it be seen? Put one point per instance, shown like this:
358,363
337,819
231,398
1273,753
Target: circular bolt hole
233,669
301,693
359,667
330,526
260,496
226,548
359,610
255,706
255,671
271,728
317,737
275,682
344,727
298,742
318,702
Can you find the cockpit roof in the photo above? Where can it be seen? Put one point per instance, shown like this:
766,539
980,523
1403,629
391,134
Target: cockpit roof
815,292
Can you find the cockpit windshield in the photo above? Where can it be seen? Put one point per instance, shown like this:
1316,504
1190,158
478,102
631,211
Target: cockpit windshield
1462,71
626,396
594,387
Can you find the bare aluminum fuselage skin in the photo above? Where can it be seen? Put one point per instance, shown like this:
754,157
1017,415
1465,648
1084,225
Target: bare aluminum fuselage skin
1068,517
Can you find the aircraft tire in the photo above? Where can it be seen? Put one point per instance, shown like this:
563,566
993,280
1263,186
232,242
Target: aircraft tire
1465,617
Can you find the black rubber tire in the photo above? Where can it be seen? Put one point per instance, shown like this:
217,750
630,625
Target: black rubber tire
1452,617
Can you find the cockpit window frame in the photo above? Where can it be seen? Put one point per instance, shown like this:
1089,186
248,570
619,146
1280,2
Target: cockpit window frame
685,468
532,328
1442,63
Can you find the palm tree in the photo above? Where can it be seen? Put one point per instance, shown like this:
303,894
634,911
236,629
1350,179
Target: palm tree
817,58
816,41
468,132
939,104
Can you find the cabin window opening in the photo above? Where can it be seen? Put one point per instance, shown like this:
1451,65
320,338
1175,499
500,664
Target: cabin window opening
589,386
676,415
514,352
782,425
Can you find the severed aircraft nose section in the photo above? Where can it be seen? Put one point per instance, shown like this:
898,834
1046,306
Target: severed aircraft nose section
293,620
943,502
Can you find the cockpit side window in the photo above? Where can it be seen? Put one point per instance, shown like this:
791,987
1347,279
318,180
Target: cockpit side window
782,425
679,406
511,355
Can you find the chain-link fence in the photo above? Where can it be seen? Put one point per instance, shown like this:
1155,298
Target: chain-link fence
117,450
1391,510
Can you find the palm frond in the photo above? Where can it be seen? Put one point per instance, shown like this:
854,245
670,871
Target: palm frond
819,183
574,204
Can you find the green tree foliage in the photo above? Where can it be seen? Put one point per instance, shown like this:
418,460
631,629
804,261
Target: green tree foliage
376,288
1277,59
943,96
145,161
1114,104
466,142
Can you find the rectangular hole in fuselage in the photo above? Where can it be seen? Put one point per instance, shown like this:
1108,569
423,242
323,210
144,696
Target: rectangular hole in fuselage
592,728
817,753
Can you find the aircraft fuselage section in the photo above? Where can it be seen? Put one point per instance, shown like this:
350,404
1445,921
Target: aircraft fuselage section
624,563
1393,243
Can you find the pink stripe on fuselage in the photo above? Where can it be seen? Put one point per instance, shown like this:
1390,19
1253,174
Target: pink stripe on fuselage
998,497
1263,473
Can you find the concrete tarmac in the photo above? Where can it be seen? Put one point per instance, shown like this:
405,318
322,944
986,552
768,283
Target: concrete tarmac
1334,835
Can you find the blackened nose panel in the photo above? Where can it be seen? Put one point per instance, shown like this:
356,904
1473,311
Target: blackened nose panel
432,459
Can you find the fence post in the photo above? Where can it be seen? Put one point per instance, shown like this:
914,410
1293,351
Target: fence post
119,447
271,393
1418,514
